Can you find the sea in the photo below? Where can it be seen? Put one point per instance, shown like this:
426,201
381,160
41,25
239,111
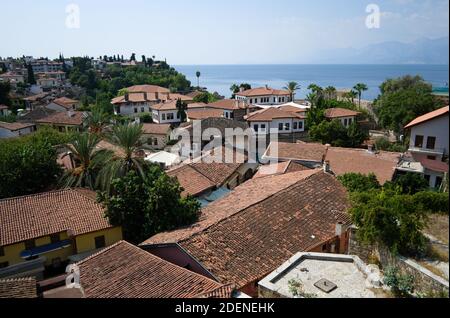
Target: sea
219,78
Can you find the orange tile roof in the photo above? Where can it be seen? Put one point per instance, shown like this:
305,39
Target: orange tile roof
340,112
39,215
272,113
262,91
192,181
279,168
299,151
204,113
429,116
254,229
127,271
344,160
18,288
151,89
65,102
293,109
156,129
63,118
228,104
15,126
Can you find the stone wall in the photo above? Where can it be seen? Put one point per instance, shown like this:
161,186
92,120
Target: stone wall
424,280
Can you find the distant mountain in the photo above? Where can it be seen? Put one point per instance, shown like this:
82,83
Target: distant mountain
422,51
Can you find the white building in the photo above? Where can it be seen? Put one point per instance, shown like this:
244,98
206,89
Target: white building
63,104
45,66
264,96
272,118
346,116
10,130
429,134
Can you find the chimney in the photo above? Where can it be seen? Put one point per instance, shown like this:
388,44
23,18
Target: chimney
326,167
127,97
339,229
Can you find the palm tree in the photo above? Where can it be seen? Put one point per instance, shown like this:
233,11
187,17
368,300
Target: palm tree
292,87
360,88
198,74
330,91
127,137
351,96
97,120
88,161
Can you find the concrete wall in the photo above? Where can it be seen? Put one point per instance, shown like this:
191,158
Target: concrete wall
438,128
424,280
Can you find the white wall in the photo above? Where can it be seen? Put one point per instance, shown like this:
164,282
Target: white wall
438,128
275,125
273,99
129,109
158,117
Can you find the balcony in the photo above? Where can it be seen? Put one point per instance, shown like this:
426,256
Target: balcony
433,152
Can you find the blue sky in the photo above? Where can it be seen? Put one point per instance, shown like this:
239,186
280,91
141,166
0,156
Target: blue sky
214,31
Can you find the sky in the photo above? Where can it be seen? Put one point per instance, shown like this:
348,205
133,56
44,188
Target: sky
213,31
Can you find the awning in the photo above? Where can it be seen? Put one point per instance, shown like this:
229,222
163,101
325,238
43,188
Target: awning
45,249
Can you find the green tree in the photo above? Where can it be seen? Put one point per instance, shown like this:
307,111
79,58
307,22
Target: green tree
145,206
182,108
31,78
402,100
360,88
330,92
409,183
205,97
356,182
292,87
5,89
392,219
97,120
198,74
127,137
87,160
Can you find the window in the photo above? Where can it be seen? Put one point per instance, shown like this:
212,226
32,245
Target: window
163,116
155,142
142,110
427,177
431,142
100,242
300,125
295,125
135,110
419,141
438,182
54,238
280,126
30,244
263,127
288,126
255,128
4,264
170,116
2,251
350,120
345,122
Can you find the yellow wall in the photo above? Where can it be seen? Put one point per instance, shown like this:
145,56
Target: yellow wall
86,242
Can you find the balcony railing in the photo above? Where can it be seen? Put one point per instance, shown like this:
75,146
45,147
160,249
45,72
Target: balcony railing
435,151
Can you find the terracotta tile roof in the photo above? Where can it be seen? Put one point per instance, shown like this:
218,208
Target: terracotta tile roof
194,94
228,104
65,102
279,168
204,113
127,271
272,113
192,181
156,129
14,126
151,89
340,112
263,91
133,98
299,151
253,230
197,105
344,160
36,97
36,114
223,292
434,165
168,105
18,288
38,215
429,116
175,97
293,109
63,118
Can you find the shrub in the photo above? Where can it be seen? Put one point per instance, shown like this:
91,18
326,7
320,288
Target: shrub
356,182
409,183
400,284
432,202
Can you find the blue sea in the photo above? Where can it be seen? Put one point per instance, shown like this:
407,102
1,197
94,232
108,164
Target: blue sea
219,78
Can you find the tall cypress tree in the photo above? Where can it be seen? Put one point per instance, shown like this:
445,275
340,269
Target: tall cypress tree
31,78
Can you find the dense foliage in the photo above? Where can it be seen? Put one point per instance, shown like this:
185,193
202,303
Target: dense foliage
402,100
356,182
402,285
147,206
409,183
335,134
205,97
28,164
